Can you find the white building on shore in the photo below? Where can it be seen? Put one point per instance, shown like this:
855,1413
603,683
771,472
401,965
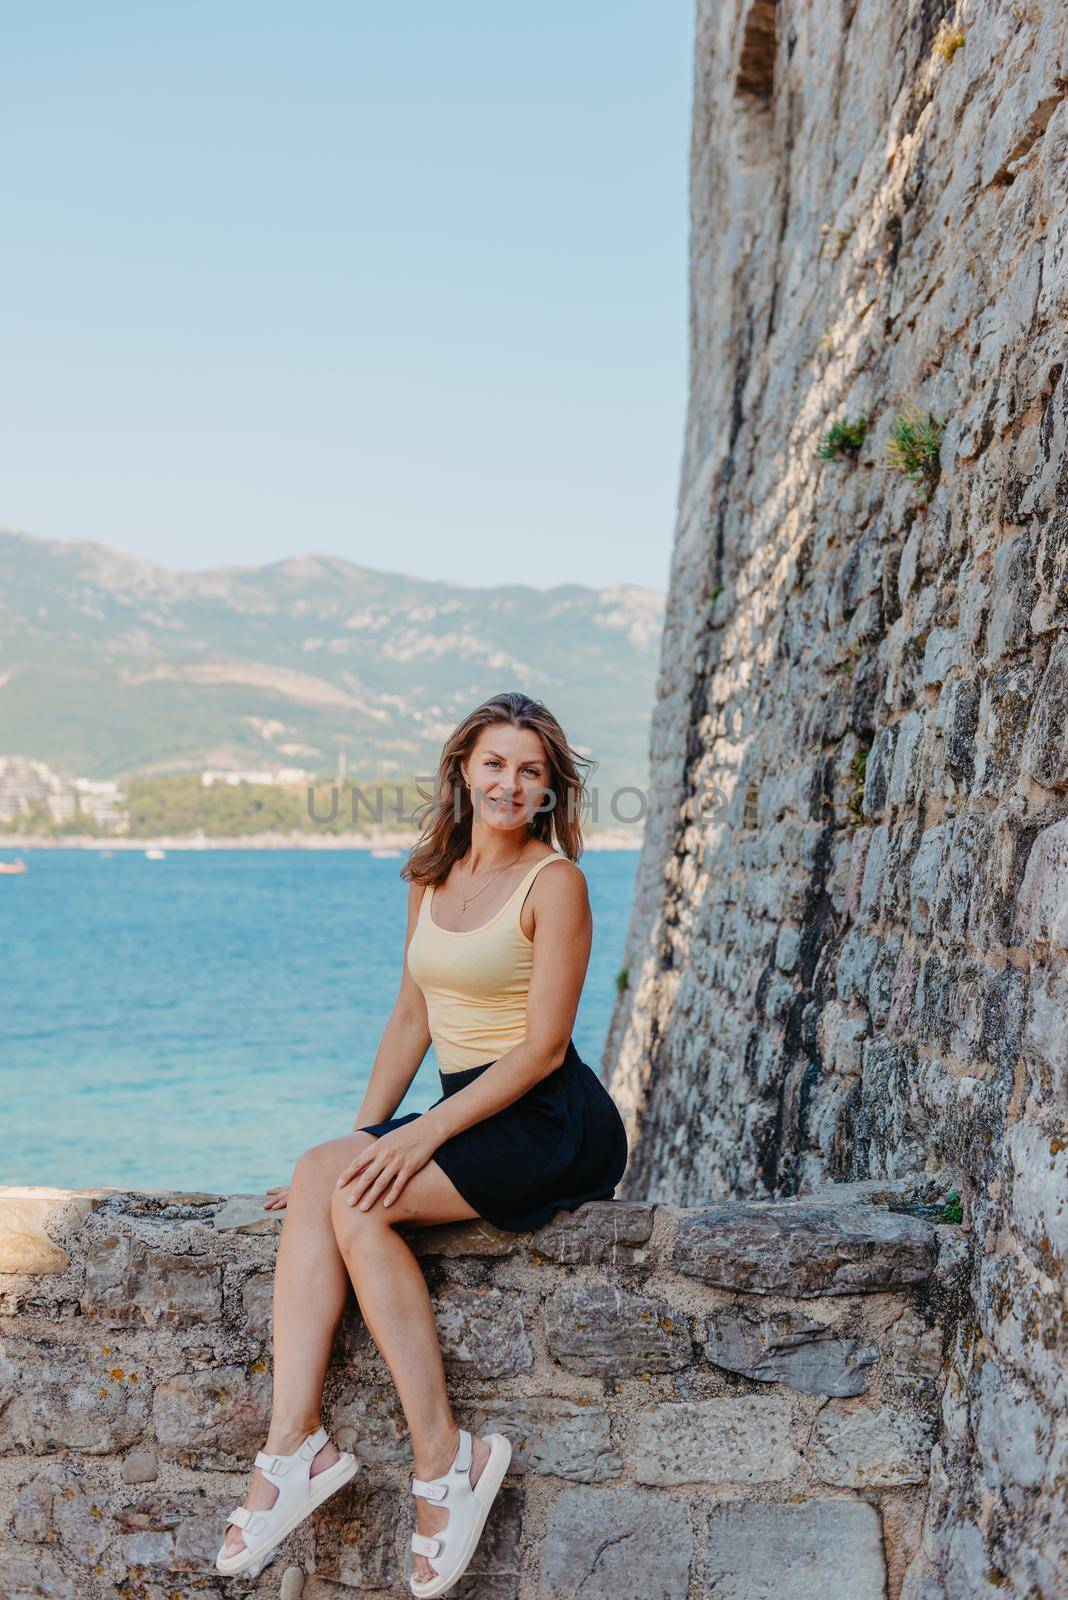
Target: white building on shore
28,785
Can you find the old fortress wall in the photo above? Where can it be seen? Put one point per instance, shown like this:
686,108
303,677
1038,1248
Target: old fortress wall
848,958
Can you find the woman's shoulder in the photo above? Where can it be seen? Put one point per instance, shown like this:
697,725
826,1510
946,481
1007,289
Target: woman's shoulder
416,891
550,854
568,879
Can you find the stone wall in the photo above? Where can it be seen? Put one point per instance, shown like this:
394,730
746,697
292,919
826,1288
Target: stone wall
847,958
737,1401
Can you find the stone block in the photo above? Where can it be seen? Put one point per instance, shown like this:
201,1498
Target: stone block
482,1332
916,1357
1045,1039
923,877
735,1440
880,994
217,1418
28,1216
368,1421
601,1328
1050,611
1004,1014
36,1575
552,1437
61,1507
1013,1435
877,771
244,1213
889,1114
941,653
871,886
173,1531
797,1248
1039,1164
787,945
1005,710
458,1239
1045,750
140,1466
959,715
788,1348
870,1449
126,1280
811,1550
357,1535
1042,904
257,1299
615,1544
55,1397
1014,568
971,1564
323,1589
901,789
603,1232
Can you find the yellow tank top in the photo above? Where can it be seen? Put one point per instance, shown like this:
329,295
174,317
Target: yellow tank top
475,982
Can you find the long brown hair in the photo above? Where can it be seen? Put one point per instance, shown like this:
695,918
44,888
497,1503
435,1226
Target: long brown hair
446,821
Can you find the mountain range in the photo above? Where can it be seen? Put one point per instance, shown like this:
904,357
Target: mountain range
112,666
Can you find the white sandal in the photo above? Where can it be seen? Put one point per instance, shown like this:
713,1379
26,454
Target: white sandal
468,1509
298,1495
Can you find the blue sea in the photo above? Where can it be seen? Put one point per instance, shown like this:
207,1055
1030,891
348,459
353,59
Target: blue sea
196,1022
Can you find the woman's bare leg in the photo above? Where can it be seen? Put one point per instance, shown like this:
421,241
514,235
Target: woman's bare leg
395,1303
311,1286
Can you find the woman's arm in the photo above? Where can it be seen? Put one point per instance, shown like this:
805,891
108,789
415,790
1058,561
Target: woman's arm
563,934
405,1040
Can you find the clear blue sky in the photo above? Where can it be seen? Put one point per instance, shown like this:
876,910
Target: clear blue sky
403,283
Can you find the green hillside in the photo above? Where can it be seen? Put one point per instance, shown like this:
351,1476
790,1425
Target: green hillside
112,667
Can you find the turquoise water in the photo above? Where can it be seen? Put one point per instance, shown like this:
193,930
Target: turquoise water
197,1022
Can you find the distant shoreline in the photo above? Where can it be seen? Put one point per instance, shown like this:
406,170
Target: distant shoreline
599,839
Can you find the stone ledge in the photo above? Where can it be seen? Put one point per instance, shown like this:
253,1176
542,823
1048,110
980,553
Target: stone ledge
668,1414
803,1247
30,1219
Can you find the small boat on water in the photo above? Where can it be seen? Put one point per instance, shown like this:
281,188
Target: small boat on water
11,867
155,855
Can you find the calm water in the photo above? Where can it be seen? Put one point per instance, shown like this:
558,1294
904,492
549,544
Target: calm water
197,1022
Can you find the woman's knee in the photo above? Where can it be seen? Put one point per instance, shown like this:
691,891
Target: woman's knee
347,1215
318,1169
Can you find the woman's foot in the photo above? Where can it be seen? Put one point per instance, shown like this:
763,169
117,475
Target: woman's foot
431,1518
262,1494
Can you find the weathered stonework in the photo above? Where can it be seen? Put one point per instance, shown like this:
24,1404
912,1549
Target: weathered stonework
659,1421
848,957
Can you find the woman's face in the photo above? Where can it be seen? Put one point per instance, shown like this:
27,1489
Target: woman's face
509,777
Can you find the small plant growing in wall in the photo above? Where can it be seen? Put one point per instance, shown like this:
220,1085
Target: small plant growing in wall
843,438
947,41
622,980
860,773
915,441
952,1210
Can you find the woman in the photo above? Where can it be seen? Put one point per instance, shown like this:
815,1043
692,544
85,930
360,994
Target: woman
497,945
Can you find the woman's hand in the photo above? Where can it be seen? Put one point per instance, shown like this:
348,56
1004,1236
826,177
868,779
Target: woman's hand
280,1194
386,1164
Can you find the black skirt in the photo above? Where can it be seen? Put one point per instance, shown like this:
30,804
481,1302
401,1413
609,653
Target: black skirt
557,1146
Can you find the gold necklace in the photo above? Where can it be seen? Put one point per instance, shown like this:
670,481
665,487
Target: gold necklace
459,882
